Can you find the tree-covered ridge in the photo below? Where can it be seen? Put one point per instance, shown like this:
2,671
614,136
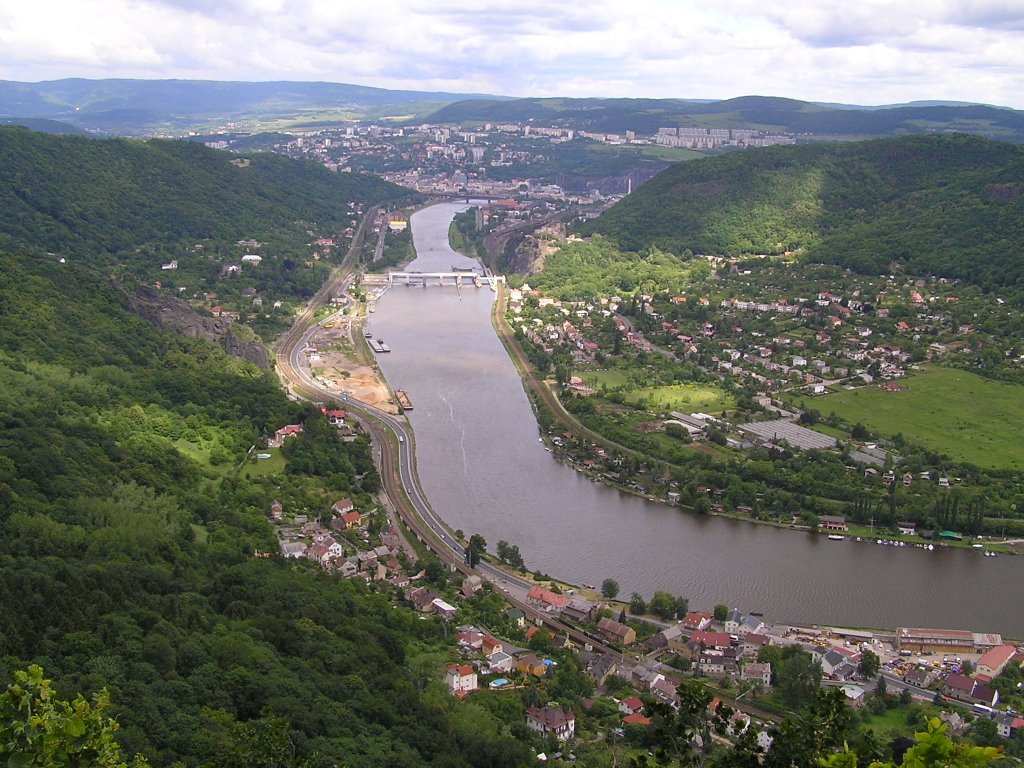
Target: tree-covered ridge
951,205
760,112
128,543
81,197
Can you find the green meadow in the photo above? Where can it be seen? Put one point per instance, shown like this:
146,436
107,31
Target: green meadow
950,411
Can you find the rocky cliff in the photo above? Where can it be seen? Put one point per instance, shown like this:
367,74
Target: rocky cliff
174,314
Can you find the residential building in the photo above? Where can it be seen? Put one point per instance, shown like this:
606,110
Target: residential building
554,720
460,679
616,632
758,672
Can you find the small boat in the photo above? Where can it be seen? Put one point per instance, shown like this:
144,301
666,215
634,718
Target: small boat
835,537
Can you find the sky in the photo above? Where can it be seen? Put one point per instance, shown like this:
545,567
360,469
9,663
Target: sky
860,52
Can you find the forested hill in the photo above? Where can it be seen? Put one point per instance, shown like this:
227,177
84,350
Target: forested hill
646,116
131,536
951,206
82,197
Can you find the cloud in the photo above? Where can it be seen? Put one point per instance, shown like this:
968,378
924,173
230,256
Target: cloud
874,51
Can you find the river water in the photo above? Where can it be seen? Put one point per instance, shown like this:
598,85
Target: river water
484,471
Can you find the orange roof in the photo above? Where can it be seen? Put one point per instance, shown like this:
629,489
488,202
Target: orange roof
635,719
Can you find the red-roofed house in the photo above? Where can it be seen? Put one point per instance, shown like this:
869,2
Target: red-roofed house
342,506
636,719
350,520
286,431
993,662
697,620
707,639
631,705
460,679
545,599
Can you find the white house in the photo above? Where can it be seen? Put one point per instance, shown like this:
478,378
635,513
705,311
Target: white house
460,679
545,720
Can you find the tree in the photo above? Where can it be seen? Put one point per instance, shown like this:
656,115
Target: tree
869,664
663,605
610,588
721,612
637,605
477,546
38,729
933,749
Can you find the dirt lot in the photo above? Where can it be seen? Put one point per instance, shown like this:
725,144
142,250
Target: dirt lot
337,364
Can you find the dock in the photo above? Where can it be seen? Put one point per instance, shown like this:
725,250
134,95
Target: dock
403,400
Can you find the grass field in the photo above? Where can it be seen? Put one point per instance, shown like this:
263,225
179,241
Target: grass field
258,467
689,398
952,412
676,397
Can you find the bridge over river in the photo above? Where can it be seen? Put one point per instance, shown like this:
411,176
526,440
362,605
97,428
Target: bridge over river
456,278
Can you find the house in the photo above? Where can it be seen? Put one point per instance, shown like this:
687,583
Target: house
670,637
733,620
490,645
276,510
516,616
553,720
702,639
529,664
579,609
335,416
446,610
470,640
758,672
1009,725
697,620
992,662
546,600
293,549
754,642
631,705
342,506
636,719
460,679
854,695
922,677
751,625
252,258
600,669
616,632
963,688
350,520
288,430
500,662
717,665
832,523
907,528
663,691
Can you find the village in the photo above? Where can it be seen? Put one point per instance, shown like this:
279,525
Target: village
605,687
763,367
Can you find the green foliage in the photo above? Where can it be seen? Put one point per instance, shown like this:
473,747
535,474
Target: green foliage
39,729
933,749
83,197
610,588
923,202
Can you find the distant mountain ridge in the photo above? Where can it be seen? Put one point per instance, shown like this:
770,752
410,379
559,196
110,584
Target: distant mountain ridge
133,104
943,205
646,116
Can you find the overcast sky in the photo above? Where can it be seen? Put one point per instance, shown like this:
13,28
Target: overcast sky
854,51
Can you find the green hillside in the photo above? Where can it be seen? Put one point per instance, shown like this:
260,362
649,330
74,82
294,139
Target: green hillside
129,541
950,205
82,197
646,116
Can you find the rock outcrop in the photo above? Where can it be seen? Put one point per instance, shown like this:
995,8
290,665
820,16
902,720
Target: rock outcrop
177,315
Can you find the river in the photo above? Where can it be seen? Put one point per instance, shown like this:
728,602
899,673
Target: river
484,471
